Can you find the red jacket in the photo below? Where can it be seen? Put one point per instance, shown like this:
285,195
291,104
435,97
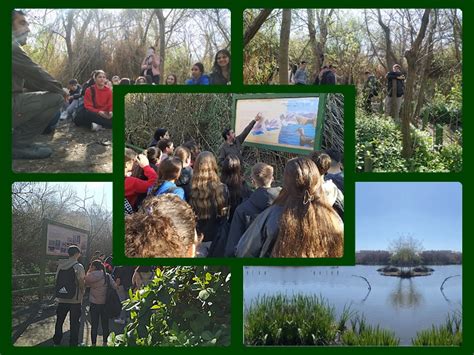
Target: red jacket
135,186
103,99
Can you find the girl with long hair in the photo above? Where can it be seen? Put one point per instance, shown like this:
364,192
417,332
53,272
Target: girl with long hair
221,69
231,176
98,280
300,223
208,196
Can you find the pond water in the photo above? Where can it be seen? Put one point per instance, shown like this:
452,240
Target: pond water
404,306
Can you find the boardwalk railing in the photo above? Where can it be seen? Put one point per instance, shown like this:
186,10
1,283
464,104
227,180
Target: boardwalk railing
40,290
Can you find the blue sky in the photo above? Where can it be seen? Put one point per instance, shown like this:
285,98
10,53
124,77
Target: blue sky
428,211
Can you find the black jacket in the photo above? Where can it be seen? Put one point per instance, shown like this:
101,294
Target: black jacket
259,239
216,78
328,78
184,181
400,83
245,214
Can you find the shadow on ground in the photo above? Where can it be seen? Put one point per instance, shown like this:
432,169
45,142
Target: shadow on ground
75,150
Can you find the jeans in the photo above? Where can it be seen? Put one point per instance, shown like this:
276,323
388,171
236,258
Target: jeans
98,311
74,310
88,117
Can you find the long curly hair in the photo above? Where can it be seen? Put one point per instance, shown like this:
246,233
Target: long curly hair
164,226
207,192
309,226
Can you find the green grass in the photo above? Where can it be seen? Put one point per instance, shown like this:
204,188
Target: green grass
308,320
447,334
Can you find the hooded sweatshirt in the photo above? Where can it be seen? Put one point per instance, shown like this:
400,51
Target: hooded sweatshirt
246,212
79,269
96,281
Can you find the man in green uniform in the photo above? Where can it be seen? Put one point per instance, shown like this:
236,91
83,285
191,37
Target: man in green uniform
36,96
233,144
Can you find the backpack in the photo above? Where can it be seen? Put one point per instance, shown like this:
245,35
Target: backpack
79,119
66,283
113,305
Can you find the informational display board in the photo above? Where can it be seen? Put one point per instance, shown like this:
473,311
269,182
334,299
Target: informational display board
59,237
289,123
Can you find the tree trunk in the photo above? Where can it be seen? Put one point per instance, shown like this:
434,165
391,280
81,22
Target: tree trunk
253,28
390,57
161,22
284,45
412,56
70,54
426,64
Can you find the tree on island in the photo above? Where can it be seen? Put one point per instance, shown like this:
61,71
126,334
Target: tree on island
406,252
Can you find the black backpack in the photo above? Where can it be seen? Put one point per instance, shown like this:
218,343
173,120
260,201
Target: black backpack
66,284
113,306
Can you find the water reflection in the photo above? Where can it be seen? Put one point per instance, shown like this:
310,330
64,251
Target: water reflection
405,295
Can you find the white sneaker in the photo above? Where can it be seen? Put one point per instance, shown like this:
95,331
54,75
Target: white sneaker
63,115
96,127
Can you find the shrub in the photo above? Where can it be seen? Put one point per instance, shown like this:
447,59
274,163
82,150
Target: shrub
182,306
448,334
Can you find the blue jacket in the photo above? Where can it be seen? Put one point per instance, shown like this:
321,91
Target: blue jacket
169,187
203,80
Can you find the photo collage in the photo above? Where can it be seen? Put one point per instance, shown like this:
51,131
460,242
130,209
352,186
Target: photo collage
293,179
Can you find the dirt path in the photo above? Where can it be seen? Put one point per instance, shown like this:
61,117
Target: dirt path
75,150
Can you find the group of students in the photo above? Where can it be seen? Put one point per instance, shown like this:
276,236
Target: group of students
89,105
73,284
185,203
150,71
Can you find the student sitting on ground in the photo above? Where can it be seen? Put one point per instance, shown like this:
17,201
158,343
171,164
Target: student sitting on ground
74,95
300,223
171,79
98,280
197,75
97,104
221,69
169,172
184,180
259,200
133,185
165,226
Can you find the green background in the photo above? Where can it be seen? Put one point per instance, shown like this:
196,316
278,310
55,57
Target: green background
237,8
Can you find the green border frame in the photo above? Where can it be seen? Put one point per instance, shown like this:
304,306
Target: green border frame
320,118
237,86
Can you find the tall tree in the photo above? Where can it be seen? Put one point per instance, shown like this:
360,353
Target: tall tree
253,28
412,55
284,45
